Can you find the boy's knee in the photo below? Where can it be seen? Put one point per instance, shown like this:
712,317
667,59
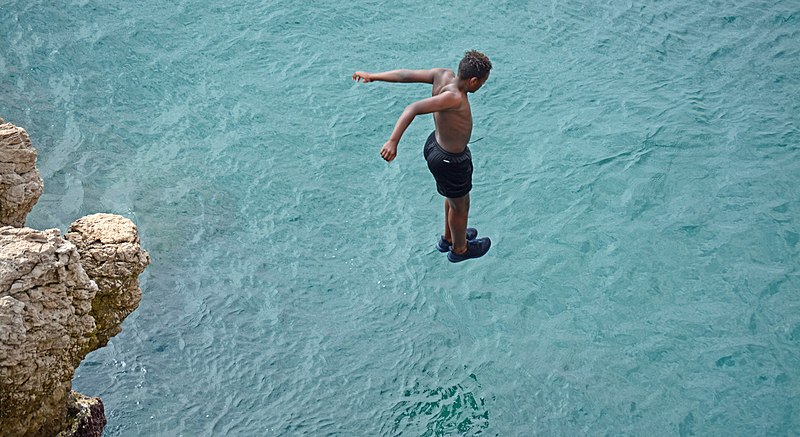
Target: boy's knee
458,204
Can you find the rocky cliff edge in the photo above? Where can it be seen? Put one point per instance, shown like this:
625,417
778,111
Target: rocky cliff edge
60,298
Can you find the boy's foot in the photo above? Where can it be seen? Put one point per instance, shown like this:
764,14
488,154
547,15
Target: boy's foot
475,249
444,245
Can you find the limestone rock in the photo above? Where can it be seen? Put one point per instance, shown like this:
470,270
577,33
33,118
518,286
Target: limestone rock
85,417
60,298
45,326
20,183
113,257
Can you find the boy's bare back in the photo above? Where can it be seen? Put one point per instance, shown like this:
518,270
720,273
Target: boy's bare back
453,126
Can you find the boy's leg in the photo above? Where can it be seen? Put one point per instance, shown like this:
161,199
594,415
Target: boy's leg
457,213
447,235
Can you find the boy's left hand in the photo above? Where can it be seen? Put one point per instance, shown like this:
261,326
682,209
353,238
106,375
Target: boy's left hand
361,75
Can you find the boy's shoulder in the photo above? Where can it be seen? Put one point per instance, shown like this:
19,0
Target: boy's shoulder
442,76
443,72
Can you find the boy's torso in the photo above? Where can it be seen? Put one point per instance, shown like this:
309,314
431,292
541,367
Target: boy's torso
453,126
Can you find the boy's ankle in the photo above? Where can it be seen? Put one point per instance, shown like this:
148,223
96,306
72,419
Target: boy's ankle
460,252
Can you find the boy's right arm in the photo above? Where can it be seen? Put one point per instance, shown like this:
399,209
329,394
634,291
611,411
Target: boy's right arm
422,76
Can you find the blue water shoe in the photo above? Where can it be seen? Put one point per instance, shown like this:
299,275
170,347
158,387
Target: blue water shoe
444,245
475,249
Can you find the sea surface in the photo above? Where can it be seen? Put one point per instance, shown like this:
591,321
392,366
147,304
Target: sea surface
637,166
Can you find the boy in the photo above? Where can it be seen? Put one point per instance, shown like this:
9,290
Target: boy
449,158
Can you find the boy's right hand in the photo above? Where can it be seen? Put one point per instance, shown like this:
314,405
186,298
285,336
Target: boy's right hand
361,75
389,150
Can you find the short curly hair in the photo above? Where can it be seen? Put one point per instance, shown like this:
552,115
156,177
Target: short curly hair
474,64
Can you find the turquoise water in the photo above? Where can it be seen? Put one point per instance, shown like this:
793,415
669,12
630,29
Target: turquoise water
638,175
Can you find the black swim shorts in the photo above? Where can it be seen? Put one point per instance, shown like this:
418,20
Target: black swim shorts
452,171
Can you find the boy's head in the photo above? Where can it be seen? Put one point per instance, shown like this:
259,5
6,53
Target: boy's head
474,68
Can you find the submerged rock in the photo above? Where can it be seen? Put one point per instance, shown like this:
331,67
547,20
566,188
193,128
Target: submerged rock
20,183
85,417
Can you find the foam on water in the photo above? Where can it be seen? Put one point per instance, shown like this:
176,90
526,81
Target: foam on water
639,178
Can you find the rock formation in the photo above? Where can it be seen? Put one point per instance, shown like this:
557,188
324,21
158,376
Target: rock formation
45,328
20,184
60,298
86,417
112,255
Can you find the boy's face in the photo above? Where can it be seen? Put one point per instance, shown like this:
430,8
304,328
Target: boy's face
475,84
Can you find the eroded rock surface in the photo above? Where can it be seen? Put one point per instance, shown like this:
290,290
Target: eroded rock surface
112,256
86,417
20,183
45,328
61,298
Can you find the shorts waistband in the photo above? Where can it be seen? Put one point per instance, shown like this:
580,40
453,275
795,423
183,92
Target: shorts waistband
464,152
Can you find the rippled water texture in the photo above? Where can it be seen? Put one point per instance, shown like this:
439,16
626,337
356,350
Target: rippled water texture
638,175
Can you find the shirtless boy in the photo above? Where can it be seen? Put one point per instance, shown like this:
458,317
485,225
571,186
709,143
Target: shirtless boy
449,158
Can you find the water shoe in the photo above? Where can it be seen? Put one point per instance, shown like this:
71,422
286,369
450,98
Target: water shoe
475,249
444,245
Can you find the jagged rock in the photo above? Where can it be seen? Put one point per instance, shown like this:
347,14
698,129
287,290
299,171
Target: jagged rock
61,298
45,328
20,183
113,257
52,313
85,417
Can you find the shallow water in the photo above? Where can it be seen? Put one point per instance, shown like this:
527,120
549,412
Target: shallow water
638,175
